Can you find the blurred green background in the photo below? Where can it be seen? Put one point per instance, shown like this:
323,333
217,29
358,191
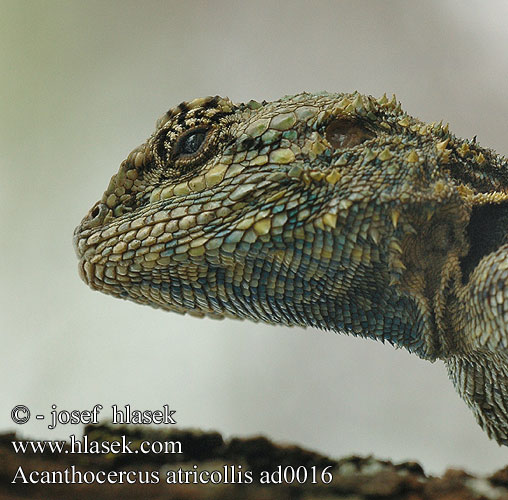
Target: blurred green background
82,84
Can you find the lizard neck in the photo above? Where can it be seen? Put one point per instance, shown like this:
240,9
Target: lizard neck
317,280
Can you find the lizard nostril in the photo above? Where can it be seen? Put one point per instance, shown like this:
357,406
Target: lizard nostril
97,213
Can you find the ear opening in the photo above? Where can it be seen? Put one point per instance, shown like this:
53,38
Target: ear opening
486,232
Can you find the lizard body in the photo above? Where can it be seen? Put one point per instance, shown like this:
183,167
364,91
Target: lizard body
337,211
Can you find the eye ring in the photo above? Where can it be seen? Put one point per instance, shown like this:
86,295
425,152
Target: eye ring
190,143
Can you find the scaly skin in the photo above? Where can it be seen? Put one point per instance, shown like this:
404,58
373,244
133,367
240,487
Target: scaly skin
337,211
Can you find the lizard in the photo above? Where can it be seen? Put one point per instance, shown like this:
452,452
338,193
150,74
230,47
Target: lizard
335,211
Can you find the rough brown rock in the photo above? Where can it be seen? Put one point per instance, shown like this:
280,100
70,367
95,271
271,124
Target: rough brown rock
354,478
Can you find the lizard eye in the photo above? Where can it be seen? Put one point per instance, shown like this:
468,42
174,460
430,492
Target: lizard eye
344,133
190,142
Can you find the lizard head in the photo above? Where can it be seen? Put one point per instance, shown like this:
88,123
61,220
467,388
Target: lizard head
307,210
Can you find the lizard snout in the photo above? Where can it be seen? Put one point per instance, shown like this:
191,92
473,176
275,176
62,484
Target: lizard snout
95,216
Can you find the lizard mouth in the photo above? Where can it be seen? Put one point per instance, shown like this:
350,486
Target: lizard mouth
86,271
76,238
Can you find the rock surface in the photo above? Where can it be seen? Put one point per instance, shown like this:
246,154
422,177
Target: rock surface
242,468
